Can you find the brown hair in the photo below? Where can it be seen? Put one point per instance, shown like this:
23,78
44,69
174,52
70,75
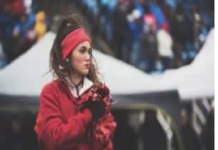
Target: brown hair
59,67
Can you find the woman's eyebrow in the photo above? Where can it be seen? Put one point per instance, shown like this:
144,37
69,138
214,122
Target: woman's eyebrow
83,47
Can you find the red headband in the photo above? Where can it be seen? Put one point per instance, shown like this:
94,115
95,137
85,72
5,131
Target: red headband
72,40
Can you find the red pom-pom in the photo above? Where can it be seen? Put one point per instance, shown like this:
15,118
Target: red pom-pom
102,130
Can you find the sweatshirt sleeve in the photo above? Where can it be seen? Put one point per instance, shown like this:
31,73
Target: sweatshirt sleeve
107,127
52,133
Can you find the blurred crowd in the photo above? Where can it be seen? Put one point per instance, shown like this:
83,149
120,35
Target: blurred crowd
21,26
153,35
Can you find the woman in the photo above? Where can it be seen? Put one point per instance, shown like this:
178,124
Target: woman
74,112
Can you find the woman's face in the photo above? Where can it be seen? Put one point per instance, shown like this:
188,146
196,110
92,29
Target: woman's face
81,58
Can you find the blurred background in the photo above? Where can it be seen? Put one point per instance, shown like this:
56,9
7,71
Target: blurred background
156,56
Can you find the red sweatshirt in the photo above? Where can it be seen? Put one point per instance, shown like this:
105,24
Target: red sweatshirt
60,125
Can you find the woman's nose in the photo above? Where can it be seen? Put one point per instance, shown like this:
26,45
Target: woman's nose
87,56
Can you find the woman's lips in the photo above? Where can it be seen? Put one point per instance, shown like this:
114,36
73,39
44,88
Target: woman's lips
87,65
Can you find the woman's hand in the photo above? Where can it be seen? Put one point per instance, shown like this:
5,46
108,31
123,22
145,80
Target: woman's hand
97,108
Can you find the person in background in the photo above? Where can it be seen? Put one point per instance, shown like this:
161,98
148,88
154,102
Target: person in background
135,22
25,24
148,49
19,35
149,18
196,26
207,136
189,137
28,5
23,35
201,36
139,5
165,44
3,58
18,7
106,9
156,10
6,28
120,30
152,133
20,31
75,108
171,4
40,25
178,59
179,26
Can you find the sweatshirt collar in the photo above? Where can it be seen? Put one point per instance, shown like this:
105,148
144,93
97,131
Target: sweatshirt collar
86,85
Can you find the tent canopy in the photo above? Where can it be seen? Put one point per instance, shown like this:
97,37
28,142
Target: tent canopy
197,79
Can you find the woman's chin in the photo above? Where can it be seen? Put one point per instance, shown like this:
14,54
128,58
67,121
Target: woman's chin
85,72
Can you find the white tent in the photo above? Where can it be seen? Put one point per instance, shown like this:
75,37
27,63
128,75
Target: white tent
25,75
197,79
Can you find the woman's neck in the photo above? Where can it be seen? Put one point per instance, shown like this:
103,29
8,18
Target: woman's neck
76,78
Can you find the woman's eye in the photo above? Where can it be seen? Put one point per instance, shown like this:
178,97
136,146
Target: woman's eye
82,51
